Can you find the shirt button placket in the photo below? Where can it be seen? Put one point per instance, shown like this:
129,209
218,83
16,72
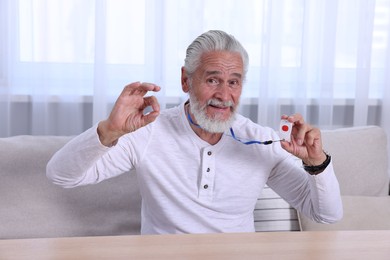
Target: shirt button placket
207,180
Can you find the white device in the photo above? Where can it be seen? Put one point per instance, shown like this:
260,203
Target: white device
285,130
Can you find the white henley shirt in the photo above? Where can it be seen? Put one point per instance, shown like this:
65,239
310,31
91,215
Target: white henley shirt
190,186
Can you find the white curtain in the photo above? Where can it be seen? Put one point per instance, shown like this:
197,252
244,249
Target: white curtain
64,62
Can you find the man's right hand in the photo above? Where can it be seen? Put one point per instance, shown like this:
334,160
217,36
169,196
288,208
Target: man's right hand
128,112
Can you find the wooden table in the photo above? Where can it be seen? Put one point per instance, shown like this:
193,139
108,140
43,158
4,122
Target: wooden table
333,245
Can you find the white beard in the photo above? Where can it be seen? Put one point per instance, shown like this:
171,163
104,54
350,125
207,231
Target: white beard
212,125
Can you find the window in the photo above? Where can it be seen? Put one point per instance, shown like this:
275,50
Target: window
289,42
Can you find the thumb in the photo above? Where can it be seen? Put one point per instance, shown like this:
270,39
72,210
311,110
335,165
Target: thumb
286,146
150,117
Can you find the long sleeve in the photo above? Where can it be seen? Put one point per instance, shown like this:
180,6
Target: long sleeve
84,160
315,196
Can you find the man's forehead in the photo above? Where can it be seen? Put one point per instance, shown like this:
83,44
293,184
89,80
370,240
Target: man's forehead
219,72
221,63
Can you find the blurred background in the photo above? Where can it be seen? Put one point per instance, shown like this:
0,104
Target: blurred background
64,62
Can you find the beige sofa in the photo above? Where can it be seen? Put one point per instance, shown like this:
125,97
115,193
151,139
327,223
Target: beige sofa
33,207
360,156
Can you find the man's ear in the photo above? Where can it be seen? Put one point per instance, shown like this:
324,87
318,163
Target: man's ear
184,80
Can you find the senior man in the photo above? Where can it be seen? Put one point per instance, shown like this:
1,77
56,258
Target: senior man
195,173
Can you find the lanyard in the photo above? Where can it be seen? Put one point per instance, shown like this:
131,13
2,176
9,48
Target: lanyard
236,138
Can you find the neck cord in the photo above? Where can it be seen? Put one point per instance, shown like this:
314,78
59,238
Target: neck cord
234,136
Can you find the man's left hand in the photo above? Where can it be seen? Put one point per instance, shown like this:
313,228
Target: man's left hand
306,141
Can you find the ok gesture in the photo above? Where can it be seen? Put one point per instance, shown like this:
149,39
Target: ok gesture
128,114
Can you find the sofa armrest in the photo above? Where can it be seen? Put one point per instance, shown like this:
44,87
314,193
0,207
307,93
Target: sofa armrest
33,207
360,213
360,159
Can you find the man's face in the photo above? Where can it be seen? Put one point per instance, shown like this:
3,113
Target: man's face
215,89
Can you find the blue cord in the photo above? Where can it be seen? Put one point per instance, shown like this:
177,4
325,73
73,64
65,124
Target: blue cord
234,136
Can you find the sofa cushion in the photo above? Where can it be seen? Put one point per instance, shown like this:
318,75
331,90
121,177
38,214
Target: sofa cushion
360,159
34,207
360,212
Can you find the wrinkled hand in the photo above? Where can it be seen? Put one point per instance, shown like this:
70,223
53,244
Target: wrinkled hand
306,142
127,114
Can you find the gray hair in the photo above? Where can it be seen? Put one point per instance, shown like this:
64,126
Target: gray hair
213,41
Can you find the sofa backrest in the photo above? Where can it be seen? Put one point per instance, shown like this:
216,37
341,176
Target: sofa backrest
31,206
360,158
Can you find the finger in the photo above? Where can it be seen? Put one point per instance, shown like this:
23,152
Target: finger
297,121
313,139
294,118
286,146
144,87
300,128
291,147
310,136
150,87
150,117
284,117
152,102
138,88
129,88
303,133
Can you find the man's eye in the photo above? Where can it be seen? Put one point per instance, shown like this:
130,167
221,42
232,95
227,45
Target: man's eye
212,81
234,83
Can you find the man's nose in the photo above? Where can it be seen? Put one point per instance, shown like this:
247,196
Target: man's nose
223,91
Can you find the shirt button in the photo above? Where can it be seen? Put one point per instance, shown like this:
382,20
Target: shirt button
205,186
208,170
209,153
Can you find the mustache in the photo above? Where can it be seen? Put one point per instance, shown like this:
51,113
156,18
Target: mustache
218,103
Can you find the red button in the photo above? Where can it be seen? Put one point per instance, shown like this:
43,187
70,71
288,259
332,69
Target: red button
285,128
